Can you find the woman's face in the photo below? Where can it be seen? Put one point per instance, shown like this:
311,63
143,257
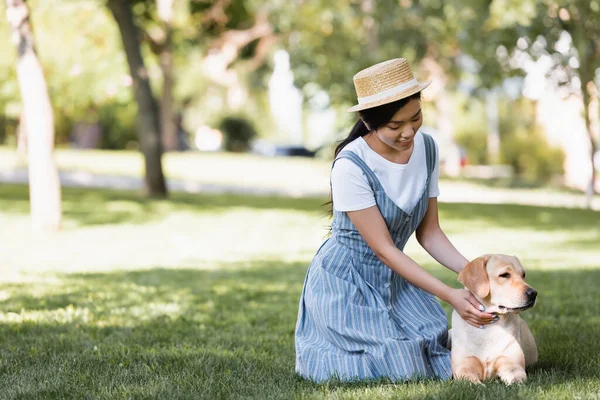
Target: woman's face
399,133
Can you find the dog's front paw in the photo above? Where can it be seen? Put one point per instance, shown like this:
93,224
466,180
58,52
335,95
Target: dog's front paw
515,375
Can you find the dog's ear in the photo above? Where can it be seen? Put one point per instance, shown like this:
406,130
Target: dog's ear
475,278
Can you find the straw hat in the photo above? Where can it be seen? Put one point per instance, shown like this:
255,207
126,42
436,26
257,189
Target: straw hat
384,83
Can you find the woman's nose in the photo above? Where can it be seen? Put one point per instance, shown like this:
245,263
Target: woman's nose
408,131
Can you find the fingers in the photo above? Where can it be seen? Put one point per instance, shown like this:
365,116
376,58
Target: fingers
481,317
477,318
480,323
475,303
484,317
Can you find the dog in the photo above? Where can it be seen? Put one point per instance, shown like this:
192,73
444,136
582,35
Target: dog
504,348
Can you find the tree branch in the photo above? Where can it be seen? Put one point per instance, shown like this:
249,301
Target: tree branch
217,13
156,46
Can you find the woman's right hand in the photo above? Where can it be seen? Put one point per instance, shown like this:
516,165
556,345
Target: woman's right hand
468,307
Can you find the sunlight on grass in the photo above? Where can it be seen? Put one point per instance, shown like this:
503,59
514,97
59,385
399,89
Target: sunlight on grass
196,296
112,230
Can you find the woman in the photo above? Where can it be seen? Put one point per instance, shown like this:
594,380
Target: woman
367,309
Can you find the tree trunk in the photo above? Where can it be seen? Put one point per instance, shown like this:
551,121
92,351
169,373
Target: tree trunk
22,136
227,49
368,7
165,55
38,123
590,106
587,49
148,124
167,114
493,136
438,93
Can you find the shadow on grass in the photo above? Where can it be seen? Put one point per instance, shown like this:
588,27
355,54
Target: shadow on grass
522,216
94,207
229,333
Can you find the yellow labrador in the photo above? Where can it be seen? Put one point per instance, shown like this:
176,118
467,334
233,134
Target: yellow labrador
502,349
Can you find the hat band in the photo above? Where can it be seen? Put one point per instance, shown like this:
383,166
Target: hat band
389,92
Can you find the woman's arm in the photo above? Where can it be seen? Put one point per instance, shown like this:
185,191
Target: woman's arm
372,227
431,237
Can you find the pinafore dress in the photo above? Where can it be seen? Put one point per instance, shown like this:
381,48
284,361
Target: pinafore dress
357,319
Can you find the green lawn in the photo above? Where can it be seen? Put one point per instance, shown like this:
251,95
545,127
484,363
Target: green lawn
293,176
246,170
196,297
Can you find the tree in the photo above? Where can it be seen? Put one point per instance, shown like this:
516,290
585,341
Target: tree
44,184
330,41
536,28
224,32
237,36
160,39
148,122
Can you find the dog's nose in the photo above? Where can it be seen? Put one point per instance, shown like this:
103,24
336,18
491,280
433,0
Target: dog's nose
531,294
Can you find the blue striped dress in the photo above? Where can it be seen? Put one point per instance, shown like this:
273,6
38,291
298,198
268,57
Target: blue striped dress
357,319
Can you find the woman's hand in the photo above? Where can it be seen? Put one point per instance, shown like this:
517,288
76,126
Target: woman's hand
468,307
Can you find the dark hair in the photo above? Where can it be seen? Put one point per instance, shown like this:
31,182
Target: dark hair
370,119
374,118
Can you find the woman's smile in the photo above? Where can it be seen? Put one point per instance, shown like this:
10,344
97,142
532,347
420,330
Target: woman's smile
405,142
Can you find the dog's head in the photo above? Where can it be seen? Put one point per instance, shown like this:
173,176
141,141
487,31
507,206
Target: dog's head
499,281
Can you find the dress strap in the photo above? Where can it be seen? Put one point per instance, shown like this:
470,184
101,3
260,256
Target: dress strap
429,155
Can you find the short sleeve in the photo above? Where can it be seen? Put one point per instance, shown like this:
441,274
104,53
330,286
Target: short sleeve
350,189
434,189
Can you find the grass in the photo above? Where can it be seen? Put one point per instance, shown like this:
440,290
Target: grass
289,176
246,170
196,297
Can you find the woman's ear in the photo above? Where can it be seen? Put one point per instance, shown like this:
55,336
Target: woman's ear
475,278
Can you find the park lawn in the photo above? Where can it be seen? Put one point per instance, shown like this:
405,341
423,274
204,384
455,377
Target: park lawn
244,173
219,168
196,297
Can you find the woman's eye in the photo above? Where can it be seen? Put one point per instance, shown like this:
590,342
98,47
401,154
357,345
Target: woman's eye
504,275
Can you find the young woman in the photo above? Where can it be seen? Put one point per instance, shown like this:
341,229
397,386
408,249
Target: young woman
367,309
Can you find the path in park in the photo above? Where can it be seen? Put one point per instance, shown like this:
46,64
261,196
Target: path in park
451,191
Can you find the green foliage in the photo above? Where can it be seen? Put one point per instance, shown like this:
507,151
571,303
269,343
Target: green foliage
84,66
474,141
524,146
238,132
470,126
530,155
118,121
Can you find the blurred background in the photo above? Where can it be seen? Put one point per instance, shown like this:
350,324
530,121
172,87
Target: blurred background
172,146
514,93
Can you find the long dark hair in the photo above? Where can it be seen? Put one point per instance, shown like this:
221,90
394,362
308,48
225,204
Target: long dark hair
370,119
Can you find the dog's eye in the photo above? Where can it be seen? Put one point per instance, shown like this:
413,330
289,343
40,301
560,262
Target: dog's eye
504,275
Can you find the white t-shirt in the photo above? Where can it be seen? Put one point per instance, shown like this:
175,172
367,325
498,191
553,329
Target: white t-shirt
403,183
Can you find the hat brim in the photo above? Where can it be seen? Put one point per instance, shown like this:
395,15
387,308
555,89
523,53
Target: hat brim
391,99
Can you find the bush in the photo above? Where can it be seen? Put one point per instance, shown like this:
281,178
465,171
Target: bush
118,121
531,156
470,124
524,146
238,133
474,142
